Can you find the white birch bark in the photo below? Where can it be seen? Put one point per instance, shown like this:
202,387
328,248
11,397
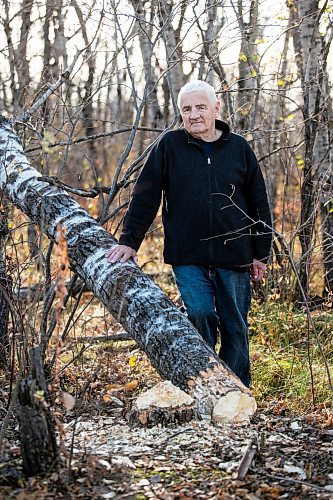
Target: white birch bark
172,344
317,111
172,48
152,114
248,82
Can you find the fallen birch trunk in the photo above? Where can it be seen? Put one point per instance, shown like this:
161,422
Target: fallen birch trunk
172,344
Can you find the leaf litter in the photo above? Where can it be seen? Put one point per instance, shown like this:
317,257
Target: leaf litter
276,456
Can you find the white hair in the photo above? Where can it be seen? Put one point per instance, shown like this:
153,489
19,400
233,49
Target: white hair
197,86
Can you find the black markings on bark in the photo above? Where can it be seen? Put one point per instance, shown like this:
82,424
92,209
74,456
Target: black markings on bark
4,122
22,187
12,177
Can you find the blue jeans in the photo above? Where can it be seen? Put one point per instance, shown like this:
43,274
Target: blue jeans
217,298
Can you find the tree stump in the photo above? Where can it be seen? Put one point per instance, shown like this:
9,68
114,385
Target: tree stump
36,426
163,404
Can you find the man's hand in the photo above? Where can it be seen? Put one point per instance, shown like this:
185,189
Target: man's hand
257,270
121,253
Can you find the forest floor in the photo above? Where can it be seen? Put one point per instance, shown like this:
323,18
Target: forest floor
293,455
286,451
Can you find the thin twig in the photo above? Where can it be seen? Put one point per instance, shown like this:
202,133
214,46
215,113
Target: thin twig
246,461
101,135
106,338
24,117
292,480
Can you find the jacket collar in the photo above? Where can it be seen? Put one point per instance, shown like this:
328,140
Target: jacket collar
219,125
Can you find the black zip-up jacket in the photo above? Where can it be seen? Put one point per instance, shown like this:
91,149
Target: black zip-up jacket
215,209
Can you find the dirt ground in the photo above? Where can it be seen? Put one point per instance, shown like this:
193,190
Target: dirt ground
277,455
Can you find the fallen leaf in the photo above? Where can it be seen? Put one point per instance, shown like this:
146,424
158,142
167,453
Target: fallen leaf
123,461
292,469
68,400
143,482
106,464
295,426
130,386
132,361
114,387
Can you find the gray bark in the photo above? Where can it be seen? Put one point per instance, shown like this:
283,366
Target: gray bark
248,81
5,293
32,238
87,108
173,50
21,60
5,286
215,23
317,182
152,113
11,55
173,346
37,435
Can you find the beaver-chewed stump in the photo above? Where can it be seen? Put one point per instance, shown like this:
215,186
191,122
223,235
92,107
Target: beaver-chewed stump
164,404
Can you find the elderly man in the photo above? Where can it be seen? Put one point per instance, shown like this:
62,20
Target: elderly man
216,221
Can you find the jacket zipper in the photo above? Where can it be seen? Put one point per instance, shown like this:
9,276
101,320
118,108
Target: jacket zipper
210,242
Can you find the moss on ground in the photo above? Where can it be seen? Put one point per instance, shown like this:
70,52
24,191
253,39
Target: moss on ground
287,364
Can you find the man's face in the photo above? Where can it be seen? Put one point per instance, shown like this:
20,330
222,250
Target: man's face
199,113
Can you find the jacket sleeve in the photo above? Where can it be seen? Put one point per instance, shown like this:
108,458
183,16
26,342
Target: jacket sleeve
259,207
146,199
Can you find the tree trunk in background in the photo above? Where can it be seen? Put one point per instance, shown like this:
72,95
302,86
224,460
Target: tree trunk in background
211,51
248,78
87,106
33,243
311,61
173,346
22,64
36,426
277,173
5,292
327,236
324,162
11,56
174,57
152,113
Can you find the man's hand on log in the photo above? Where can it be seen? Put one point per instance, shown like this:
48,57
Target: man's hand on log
257,270
121,253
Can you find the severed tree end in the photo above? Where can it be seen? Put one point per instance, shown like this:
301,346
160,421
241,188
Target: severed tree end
164,404
234,407
221,396
213,395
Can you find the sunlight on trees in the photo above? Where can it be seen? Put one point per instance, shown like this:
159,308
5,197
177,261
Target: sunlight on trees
89,87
